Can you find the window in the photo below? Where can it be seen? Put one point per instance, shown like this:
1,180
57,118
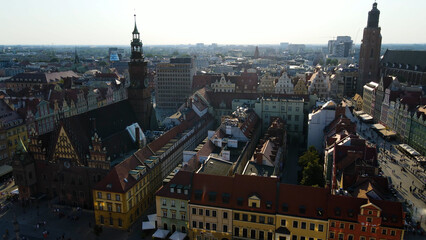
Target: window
302,238
320,227
295,224
294,237
214,213
350,237
373,230
208,226
312,226
351,227
236,232
270,220
269,236
303,225
363,229
384,232
369,219
261,235
244,232
120,222
283,222
182,205
361,238
109,196
194,211
245,217
392,233
342,225
173,203
214,226
174,215
207,213
102,219
341,236
200,212
200,225
236,216
225,215
194,224
261,219
331,234
118,207
252,218
225,228
164,202
333,224
99,195
253,234
117,197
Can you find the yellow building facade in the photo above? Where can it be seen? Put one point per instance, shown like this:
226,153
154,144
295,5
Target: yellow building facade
293,227
121,207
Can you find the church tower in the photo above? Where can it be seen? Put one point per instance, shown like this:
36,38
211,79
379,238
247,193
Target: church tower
369,55
139,94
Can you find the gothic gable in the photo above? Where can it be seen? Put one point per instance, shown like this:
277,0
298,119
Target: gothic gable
64,149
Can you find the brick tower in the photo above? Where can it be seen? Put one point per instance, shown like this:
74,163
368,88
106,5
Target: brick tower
139,93
369,55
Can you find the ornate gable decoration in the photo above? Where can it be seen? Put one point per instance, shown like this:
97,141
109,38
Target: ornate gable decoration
64,149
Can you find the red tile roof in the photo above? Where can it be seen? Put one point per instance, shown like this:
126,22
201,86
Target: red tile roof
297,197
183,178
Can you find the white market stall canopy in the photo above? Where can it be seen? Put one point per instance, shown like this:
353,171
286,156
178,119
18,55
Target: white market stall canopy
409,149
150,224
160,233
177,236
378,126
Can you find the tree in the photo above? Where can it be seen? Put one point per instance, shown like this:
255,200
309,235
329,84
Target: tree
312,169
313,175
309,156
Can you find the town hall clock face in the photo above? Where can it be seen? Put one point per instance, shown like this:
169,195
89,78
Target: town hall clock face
67,164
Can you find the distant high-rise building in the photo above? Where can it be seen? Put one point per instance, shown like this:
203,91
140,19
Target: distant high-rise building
139,94
369,56
174,82
284,45
341,47
256,53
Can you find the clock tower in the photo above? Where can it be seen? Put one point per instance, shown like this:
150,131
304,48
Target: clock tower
139,94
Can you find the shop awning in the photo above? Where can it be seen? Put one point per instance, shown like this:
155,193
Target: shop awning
177,236
160,233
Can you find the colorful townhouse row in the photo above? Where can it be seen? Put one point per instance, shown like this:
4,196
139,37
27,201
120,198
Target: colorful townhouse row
253,207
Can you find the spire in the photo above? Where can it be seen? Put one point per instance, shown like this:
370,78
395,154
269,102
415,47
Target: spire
135,31
373,17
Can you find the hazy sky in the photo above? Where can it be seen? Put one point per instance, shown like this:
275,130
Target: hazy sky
110,22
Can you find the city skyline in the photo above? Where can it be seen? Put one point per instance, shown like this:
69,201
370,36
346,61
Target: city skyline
190,22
